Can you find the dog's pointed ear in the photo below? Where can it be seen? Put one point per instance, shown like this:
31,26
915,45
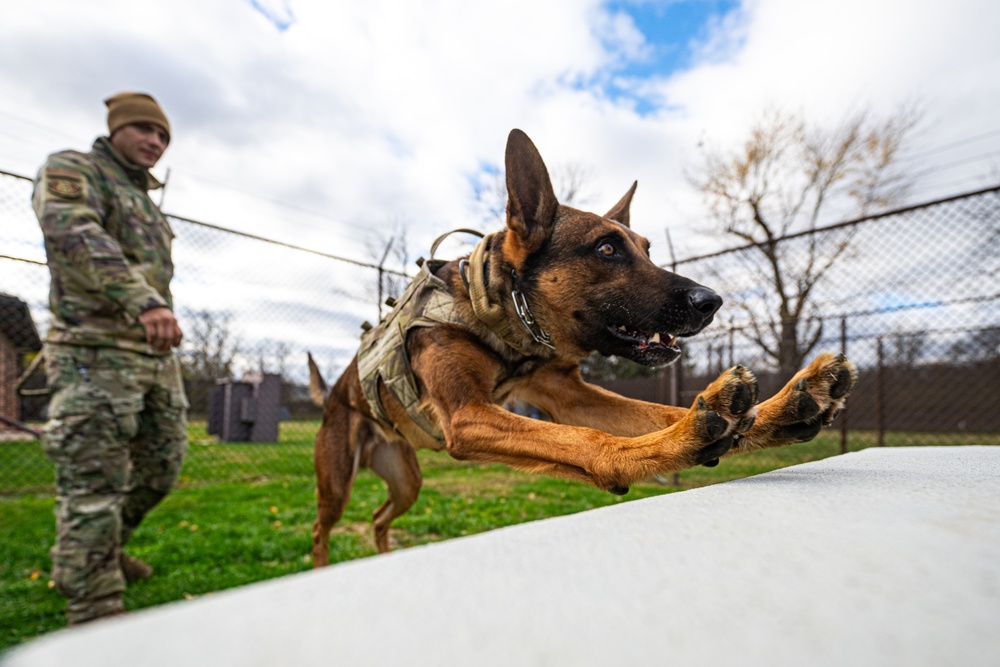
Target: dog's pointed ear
531,202
619,212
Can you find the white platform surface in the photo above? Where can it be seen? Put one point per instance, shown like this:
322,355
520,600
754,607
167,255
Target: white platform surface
881,557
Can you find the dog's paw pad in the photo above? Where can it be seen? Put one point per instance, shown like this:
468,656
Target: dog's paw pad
742,398
714,425
803,406
801,432
836,375
713,451
843,383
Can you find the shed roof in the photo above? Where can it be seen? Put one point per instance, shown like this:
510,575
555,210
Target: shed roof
17,325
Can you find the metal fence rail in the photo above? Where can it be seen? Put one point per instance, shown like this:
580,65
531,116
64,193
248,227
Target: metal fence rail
914,299
247,305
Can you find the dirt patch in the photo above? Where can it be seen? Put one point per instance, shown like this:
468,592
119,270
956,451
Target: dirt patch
461,483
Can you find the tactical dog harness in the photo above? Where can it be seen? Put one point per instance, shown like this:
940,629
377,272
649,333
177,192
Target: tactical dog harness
427,302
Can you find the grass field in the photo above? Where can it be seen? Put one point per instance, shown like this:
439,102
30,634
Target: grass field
243,513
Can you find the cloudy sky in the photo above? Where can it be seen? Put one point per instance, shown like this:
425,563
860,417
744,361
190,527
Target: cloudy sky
321,122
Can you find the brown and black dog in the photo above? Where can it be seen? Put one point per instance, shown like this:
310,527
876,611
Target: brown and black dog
567,283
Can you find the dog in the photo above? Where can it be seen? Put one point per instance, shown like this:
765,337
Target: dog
511,322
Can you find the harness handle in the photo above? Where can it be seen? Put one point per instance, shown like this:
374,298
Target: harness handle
438,240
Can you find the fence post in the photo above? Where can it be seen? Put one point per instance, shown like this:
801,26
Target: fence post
879,396
380,274
843,414
676,379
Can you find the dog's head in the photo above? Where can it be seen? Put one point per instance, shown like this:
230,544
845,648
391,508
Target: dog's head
587,278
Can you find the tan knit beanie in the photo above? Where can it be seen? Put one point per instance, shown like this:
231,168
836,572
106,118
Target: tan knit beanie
129,108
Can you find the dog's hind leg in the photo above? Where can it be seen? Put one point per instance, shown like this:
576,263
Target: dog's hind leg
396,463
337,455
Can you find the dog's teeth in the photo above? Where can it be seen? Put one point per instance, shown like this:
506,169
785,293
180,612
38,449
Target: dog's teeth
655,338
673,341
621,327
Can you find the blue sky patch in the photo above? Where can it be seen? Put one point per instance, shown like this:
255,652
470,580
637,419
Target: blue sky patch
671,29
890,302
278,12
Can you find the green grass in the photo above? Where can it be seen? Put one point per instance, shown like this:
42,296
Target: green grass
243,513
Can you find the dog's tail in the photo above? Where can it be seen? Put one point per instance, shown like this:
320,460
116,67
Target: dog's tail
317,385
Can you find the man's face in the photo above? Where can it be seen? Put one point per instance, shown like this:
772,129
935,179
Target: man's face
141,144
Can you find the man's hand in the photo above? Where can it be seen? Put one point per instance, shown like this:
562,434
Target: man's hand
162,330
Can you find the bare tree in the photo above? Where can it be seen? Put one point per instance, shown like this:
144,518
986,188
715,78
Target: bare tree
272,356
210,347
790,176
978,347
906,349
208,354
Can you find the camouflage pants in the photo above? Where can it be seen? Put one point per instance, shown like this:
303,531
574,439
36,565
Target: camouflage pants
117,435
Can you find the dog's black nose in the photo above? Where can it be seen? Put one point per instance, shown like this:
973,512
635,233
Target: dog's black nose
705,301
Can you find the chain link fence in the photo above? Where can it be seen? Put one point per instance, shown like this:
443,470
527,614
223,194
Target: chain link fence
912,297
249,307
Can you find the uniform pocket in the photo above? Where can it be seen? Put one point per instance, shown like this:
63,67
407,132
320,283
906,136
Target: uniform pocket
179,400
81,431
126,410
173,382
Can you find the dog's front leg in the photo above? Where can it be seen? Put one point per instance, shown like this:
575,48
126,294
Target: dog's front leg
461,395
486,432
562,393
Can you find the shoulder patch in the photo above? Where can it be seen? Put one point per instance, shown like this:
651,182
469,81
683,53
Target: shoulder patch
64,183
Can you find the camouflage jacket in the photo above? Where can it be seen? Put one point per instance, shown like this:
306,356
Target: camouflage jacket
108,247
382,355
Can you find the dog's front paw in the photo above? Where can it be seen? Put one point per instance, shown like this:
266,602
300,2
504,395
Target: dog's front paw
811,400
723,412
720,414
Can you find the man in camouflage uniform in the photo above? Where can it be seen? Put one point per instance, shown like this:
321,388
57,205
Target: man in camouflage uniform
117,413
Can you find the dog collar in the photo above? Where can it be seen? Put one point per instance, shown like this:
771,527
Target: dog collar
474,272
524,314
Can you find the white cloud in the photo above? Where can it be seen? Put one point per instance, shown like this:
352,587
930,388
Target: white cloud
363,114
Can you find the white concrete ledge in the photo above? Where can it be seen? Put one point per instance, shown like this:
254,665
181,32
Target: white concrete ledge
882,557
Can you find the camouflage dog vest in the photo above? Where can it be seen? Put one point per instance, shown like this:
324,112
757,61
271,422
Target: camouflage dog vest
382,356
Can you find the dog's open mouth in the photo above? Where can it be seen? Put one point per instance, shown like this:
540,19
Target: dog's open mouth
644,339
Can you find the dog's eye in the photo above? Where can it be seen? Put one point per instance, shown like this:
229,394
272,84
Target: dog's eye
607,249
